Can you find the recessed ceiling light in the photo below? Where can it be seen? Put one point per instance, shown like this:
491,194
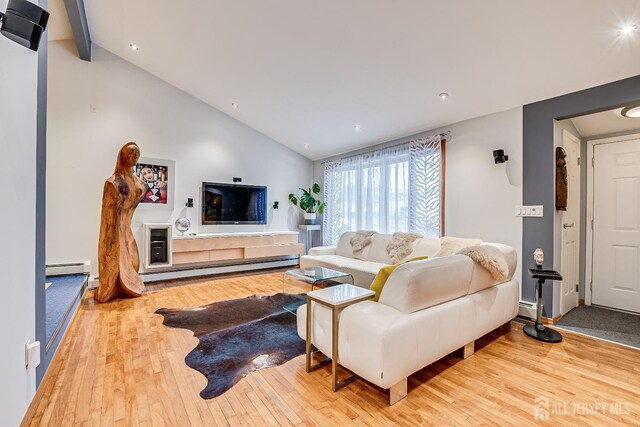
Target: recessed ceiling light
134,47
234,105
444,95
356,127
632,112
306,145
625,31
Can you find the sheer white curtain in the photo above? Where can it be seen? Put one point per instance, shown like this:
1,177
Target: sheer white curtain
387,190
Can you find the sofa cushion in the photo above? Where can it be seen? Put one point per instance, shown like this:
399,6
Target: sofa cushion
378,249
383,275
490,258
344,245
482,279
401,245
426,246
422,284
451,245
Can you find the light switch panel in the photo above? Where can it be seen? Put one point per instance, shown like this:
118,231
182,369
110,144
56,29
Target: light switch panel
529,211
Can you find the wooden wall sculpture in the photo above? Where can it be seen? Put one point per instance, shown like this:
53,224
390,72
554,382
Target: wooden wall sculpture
117,250
561,179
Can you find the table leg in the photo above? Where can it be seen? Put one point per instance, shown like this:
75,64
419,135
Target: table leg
309,345
337,385
308,334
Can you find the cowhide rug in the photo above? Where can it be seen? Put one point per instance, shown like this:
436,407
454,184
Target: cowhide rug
238,337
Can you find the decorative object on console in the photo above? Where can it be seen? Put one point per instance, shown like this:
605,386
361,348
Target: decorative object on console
361,240
183,225
308,203
157,175
561,179
451,245
232,333
538,257
401,245
490,258
118,258
499,156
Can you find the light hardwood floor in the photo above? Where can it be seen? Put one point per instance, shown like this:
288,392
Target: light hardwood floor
118,365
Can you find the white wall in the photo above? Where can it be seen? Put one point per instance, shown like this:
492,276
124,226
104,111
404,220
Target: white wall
18,102
132,105
480,195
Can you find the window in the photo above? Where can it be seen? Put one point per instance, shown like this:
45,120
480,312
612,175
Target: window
393,189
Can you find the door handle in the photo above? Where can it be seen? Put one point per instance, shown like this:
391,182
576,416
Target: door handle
567,225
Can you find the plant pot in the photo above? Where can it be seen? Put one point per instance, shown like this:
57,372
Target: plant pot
309,218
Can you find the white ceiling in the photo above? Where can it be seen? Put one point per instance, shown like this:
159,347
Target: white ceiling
604,123
304,71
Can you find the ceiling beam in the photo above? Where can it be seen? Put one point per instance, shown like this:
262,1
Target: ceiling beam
80,27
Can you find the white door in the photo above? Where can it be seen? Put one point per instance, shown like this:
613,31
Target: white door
571,226
616,225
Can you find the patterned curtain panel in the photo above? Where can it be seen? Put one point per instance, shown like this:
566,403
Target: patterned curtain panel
393,189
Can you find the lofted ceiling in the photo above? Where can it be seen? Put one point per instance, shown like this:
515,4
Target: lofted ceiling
305,72
58,27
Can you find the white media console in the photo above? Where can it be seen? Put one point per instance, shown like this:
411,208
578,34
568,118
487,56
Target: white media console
211,253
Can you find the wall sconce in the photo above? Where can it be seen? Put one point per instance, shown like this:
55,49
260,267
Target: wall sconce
499,157
24,23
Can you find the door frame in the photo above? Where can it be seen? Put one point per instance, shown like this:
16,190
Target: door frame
590,208
568,135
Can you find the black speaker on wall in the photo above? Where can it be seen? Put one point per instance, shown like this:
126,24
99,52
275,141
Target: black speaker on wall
24,23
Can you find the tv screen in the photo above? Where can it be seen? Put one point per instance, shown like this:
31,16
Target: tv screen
233,204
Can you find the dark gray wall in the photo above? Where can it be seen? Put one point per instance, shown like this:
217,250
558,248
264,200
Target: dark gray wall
539,163
41,213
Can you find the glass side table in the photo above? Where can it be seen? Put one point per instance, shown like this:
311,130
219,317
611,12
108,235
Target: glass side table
336,298
303,280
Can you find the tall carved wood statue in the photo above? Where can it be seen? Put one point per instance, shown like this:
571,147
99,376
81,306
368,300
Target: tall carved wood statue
561,179
117,250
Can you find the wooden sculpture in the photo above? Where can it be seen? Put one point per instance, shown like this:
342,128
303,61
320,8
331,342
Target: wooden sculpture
117,250
561,179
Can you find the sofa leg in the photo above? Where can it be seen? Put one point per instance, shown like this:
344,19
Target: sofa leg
398,391
468,350
507,326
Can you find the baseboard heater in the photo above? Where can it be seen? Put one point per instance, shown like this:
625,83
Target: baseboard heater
69,268
527,310
208,271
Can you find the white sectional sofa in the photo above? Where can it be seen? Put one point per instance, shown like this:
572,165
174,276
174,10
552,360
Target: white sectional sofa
426,310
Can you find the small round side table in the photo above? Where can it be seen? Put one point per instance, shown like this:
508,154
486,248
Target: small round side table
537,330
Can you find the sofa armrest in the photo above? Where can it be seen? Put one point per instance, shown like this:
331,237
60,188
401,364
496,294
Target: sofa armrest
377,342
322,250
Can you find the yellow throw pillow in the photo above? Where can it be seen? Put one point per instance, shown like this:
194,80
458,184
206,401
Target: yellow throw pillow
384,273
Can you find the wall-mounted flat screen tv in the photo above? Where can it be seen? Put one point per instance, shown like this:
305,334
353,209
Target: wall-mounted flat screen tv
233,204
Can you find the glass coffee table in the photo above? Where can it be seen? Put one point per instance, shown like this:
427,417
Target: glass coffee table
303,280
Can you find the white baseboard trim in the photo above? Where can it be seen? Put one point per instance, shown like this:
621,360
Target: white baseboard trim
70,268
208,271
527,309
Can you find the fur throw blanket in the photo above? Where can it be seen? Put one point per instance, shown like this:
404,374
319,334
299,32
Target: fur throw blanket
361,240
490,258
452,245
401,245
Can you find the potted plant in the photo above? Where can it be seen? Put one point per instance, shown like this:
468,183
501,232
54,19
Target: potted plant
308,203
